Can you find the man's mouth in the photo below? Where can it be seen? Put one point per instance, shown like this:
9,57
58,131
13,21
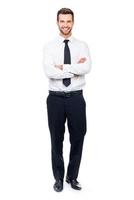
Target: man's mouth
66,29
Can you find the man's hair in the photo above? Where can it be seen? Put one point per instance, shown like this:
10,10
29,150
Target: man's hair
65,11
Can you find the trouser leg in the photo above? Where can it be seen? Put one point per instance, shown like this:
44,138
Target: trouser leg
76,116
56,122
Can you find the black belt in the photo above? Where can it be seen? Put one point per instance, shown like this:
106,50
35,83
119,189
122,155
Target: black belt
65,94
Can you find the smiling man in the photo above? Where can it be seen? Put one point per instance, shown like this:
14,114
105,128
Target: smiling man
66,62
65,24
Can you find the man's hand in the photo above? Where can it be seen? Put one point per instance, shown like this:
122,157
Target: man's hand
59,66
82,60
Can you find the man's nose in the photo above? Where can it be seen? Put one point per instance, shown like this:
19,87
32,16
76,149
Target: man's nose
65,24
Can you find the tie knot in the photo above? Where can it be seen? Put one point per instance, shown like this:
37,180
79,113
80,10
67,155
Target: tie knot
66,41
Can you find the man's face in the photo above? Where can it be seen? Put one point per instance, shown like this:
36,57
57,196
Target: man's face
65,24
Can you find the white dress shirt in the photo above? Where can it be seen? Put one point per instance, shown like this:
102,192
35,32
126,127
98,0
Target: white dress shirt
54,55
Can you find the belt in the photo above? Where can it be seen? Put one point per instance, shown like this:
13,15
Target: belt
65,94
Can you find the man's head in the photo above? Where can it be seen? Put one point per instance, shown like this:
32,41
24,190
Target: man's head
65,21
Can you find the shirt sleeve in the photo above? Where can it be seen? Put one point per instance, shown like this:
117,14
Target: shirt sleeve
50,70
80,68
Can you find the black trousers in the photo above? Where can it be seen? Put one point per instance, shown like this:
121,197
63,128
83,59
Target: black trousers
70,108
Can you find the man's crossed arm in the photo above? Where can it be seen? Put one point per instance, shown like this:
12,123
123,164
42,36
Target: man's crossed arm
82,60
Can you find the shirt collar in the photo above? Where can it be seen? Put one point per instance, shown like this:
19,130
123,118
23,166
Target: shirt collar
61,39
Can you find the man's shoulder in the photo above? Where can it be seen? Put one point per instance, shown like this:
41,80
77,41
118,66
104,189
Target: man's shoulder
80,42
51,43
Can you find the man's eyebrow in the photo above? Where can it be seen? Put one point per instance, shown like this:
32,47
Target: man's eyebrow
64,20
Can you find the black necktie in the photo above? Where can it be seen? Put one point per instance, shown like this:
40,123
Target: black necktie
67,60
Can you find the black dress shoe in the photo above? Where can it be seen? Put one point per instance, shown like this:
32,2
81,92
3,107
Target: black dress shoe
58,186
74,183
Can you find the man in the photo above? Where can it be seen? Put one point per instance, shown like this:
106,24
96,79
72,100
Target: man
66,61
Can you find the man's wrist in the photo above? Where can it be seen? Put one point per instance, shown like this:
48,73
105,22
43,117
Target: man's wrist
59,67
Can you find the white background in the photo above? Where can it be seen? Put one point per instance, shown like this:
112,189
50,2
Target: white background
107,168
